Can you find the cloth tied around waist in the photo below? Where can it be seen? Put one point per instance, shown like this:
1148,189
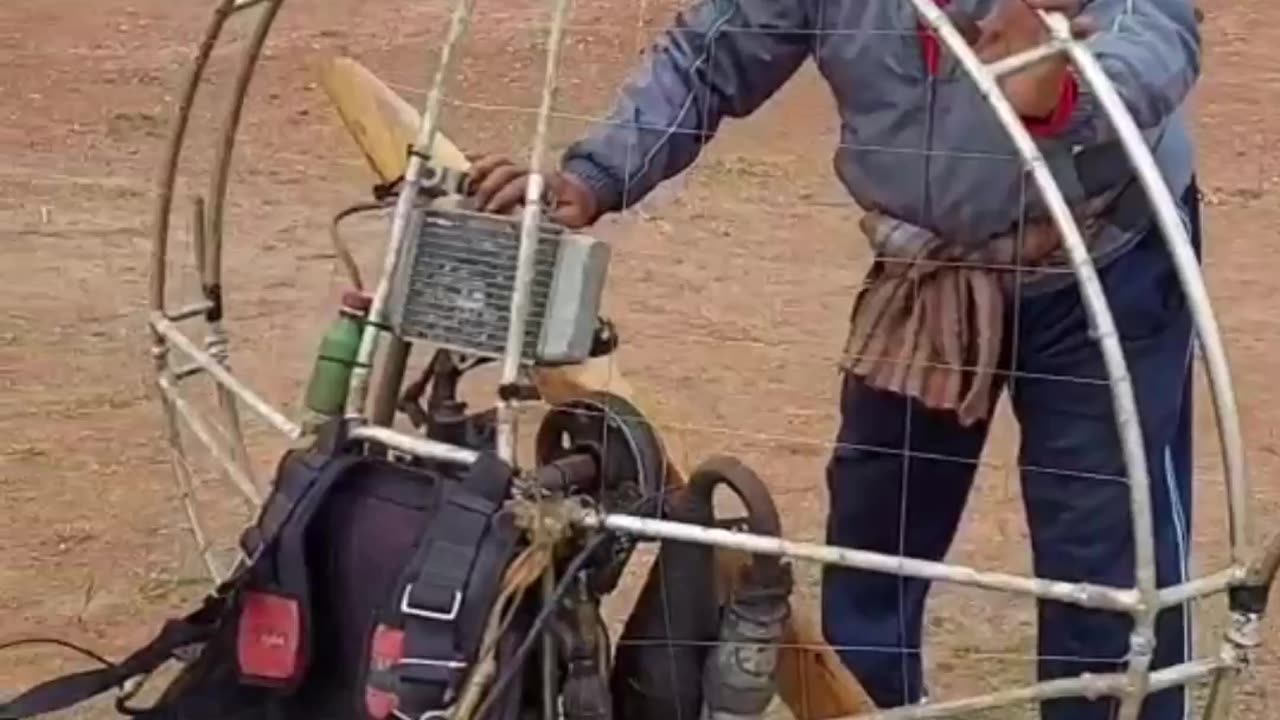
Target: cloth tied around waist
929,321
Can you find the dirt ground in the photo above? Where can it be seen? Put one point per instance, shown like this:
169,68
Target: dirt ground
731,288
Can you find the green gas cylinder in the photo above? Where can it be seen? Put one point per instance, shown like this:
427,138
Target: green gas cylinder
326,395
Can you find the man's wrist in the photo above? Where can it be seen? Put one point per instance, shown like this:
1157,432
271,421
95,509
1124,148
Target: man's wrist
598,181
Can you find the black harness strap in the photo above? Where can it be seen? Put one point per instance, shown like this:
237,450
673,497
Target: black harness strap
299,475
443,602
63,692
442,597
489,477
280,578
430,604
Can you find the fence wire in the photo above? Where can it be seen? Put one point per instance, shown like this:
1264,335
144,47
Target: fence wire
898,476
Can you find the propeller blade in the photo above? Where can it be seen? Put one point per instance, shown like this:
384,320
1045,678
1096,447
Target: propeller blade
382,123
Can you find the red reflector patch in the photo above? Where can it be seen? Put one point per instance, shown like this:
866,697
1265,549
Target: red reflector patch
268,637
379,703
385,651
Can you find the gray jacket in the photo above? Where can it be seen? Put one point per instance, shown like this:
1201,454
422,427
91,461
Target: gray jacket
916,145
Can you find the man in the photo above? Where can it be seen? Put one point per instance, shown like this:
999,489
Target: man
925,156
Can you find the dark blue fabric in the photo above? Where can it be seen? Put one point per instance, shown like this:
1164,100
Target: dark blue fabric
1076,498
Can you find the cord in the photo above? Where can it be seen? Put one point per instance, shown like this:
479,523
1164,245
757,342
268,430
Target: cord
340,247
59,643
516,664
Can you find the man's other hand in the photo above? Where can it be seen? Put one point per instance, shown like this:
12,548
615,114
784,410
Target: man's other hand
1013,27
497,185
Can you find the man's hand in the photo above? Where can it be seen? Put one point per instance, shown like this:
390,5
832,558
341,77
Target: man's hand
1013,27
497,185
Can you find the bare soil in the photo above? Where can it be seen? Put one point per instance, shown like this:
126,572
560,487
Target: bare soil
731,288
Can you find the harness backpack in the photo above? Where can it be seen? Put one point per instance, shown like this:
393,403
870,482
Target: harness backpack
365,592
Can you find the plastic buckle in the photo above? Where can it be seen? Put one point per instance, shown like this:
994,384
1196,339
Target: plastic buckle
447,616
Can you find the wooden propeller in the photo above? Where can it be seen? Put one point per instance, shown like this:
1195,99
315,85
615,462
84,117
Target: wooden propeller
812,681
381,122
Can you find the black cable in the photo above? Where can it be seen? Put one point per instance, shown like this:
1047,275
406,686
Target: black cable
536,629
340,246
59,643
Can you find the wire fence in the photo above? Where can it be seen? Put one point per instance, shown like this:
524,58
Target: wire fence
743,367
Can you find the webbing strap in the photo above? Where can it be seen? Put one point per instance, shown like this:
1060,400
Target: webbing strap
431,603
68,690
298,478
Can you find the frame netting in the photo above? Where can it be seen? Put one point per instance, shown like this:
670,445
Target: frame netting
777,415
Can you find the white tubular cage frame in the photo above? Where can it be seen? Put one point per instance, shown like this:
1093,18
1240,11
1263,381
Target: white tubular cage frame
1252,567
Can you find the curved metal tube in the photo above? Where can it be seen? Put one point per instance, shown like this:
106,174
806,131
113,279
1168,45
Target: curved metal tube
1265,564
231,126
1098,309
209,260
211,263
1081,594
165,182
173,153
1192,280
1205,325
416,446
762,513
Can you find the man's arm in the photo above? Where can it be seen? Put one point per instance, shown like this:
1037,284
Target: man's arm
721,58
1151,51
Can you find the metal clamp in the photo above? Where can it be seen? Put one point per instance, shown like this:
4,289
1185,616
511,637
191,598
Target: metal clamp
443,714
428,662
447,616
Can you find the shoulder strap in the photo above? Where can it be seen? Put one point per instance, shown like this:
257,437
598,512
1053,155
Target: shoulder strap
298,476
68,690
442,602
430,602
275,613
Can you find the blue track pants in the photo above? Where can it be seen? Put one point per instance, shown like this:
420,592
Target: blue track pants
1076,499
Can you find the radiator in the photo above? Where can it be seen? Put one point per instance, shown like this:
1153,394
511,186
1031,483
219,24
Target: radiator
457,275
